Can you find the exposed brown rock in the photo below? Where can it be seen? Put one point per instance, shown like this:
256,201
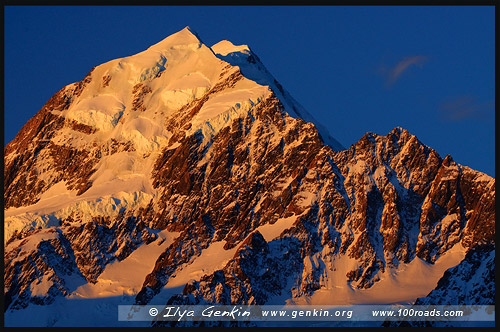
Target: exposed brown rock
105,80
140,91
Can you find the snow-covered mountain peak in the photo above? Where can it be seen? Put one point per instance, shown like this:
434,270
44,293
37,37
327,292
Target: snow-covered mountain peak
125,112
186,36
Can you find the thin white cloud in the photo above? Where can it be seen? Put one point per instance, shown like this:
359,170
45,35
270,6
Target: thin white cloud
466,107
394,73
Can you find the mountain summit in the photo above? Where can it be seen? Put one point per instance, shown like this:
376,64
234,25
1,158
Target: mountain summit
188,174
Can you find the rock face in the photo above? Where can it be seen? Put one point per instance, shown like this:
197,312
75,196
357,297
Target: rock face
50,259
373,203
204,143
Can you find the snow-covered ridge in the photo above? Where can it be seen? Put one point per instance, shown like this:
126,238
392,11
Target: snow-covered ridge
251,67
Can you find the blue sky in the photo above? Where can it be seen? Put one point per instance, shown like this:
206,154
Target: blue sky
429,69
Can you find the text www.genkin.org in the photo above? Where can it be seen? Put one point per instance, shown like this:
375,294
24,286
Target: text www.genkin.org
307,313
